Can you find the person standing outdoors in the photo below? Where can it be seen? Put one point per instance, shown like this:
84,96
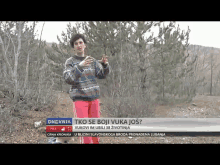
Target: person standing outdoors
81,72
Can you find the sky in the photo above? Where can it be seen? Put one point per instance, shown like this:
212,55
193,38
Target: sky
202,33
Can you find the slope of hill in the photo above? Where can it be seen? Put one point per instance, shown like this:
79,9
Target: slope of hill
25,132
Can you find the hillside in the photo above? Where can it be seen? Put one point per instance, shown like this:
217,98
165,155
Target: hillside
18,127
24,131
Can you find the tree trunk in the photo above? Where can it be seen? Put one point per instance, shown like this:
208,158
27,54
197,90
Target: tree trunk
163,75
163,82
6,59
211,83
120,65
211,74
38,66
16,64
61,87
28,61
27,72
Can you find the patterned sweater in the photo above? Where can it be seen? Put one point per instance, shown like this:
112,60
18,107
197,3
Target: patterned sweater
83,79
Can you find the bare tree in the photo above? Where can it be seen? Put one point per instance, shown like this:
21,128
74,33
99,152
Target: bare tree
213,65
16,50
24,83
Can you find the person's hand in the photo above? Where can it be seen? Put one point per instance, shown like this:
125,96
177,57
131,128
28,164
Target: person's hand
104,59
87,61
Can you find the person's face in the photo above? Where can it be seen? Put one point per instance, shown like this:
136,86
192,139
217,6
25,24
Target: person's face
79,46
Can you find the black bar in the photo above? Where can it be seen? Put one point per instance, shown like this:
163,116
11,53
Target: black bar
192,134
132,134
59,134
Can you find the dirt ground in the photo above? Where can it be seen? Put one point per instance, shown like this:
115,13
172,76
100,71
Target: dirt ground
25,132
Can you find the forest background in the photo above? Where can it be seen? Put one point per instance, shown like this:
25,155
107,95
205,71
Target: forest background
145,71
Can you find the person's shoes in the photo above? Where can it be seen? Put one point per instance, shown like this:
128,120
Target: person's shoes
53,140
57,142
66,142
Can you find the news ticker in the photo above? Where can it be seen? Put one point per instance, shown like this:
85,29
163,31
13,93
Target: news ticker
132,125
130,134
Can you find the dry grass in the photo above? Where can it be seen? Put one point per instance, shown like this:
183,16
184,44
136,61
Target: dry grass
127,107
24,131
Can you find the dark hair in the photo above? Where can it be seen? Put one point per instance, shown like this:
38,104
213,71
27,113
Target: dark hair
76,37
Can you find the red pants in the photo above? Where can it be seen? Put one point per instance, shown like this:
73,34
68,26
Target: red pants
87,109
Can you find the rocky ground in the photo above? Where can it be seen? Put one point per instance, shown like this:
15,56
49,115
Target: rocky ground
22,129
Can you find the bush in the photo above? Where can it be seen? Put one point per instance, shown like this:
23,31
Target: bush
128,107
6,120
